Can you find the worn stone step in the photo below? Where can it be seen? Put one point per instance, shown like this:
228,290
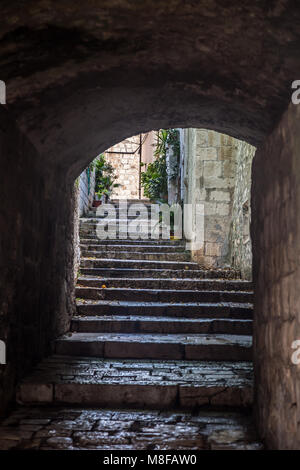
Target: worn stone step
136,255
143,201
128,242
118,212
155,346
158,273
139,383
114,215
162,325
128,263
129,202
92,222
165,309
178,284
74,427
163,295
137,248
126,230
123,236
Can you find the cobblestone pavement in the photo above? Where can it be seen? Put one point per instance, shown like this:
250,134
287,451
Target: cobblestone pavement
139,384
77,429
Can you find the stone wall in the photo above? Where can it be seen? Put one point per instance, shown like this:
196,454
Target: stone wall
126,161
86,182
77,216
36,255
275,233
240,239
216,173
125,157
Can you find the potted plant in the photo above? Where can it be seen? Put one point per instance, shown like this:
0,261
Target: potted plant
104,180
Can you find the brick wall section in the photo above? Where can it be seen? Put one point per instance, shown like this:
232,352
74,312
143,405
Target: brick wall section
36,255
276,254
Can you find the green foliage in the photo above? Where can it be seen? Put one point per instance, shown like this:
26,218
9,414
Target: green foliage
155,180
104,177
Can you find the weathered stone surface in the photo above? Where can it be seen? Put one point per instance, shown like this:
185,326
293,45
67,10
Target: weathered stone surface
132,430
163,295
275,234
33,284
111,60
132,263
163,273
162,325
137,255
104,73
139,383
183,309
156,346
156,283
36,393
240,241
218,176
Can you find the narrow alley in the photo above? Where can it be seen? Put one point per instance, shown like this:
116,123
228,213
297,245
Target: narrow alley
159,349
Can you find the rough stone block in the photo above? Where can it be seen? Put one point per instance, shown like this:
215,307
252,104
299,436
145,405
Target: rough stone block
35,393
212,169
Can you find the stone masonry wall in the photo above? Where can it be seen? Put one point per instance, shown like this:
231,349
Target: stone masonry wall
210,180
240,240
214,175
127,168
275,233
36,255
86,191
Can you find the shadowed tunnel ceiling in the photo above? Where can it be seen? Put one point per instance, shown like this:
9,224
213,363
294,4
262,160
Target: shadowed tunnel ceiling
81,76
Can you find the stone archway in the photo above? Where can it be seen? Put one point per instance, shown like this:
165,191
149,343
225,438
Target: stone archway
78,81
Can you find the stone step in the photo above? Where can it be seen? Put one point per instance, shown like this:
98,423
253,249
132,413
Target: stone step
139,383
93,222
132,247
114,230
155,346
165,309
117,202
95,215
136,255
123,235
128,263
178,284
128,242
162,295
73,427
176,274
162,325
144,201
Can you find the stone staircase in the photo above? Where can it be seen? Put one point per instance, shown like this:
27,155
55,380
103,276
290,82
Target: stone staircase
152,331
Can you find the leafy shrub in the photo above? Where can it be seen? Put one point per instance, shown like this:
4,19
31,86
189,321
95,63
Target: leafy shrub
104,177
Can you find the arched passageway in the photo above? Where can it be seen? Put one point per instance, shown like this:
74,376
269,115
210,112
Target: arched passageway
81,79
